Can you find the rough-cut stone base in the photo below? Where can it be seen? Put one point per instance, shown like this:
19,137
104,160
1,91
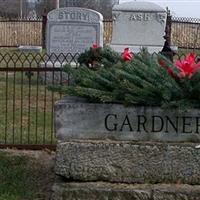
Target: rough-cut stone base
53,77
136,49
128,162
108,191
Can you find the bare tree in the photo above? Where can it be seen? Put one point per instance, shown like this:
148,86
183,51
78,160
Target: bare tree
103,6
42,6
14,8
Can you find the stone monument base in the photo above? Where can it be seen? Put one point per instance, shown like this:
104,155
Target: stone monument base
54,77
128,162
135,49
122,170
30,49
112,191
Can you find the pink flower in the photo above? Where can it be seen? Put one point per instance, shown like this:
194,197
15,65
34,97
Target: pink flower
187,66
126,55
94,46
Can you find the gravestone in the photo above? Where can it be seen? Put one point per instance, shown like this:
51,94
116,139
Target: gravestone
30,49
137,25
70,31
73,29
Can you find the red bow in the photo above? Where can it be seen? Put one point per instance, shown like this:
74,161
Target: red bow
126,55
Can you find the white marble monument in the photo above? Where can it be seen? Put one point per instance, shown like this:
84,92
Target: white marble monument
73,29
137,25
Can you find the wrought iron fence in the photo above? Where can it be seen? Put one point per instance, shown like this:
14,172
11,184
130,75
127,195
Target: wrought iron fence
15,32
26,105
31,32
185,32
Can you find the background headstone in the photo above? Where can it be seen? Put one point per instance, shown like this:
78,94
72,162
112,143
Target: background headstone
138,24
73,29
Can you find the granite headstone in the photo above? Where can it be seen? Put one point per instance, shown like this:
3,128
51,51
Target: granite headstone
73,29
137,25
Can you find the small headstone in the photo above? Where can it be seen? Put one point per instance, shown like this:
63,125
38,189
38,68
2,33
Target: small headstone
30,49
137,25
32,15
73,29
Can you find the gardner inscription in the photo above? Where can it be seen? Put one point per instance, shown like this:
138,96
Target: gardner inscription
153,124
116,122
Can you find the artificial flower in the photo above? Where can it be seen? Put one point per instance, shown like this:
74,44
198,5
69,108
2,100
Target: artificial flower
161,62
94,46
187,67
126,55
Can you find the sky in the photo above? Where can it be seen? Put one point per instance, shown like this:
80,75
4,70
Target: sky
180,8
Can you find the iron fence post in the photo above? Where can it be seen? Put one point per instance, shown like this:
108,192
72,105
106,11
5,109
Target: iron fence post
168,27
44,24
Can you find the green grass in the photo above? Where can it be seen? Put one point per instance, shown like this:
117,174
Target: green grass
14,183
21,178
26,106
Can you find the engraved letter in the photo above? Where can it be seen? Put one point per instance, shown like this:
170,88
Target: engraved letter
186,124
153,124
73,16
174,125
197,124
60,15
142,123
139,16
126,122
146,17
114,127
86,16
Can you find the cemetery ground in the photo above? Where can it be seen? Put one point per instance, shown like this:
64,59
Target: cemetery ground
27,109
26,104
26,175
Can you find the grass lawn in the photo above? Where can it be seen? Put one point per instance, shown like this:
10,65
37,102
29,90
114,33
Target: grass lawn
26,105
26,175
26,111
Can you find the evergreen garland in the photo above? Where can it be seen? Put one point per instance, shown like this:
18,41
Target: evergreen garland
142,81
97,57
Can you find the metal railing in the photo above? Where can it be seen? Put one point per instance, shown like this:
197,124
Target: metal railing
31,32
18,32
185,32
26,105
